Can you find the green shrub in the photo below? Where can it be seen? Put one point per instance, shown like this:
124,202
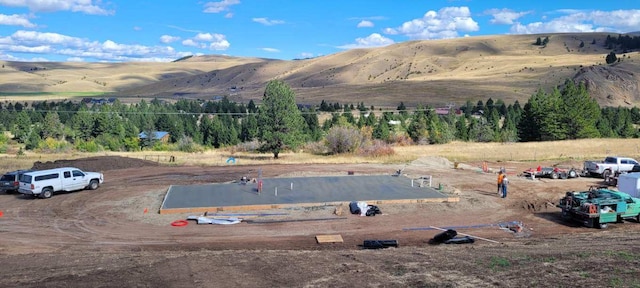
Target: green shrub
87,146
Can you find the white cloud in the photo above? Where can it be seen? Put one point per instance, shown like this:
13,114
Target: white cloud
306,55
75,59
34,42
191,43
16,20
373,40
266,21
84,6
446,23
505,16
365,23
168,39
220,6
619,21
208,40
270,50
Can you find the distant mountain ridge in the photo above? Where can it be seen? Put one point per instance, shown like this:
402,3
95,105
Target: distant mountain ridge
434,72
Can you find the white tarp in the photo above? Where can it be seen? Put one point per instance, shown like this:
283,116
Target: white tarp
629,183
207,220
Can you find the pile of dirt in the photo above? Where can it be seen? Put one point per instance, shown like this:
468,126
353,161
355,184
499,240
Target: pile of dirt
433,161
97,164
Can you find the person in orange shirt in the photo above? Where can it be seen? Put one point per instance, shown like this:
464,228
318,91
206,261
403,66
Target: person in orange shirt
500,178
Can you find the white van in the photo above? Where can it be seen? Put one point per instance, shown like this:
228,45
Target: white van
44,183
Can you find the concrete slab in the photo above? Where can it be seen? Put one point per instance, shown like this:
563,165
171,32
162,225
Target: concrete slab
298,192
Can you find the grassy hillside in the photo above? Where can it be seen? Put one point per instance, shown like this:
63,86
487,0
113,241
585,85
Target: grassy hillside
433,72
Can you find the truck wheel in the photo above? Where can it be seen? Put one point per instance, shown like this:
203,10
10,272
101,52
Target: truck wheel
93,185
46,193
554,175
606,175
638,218
564,175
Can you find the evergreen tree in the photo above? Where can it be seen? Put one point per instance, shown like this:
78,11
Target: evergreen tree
579,112
462,131
22,127
381,131
51,126
280,120
249,128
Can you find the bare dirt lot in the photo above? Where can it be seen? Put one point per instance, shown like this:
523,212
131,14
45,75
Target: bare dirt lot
114,237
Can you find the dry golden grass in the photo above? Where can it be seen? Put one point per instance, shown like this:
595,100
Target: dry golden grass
432,72
588,149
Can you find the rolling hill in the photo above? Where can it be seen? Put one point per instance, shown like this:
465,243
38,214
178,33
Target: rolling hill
434,72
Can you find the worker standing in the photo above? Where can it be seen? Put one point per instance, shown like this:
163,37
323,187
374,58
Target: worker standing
500,180
505,184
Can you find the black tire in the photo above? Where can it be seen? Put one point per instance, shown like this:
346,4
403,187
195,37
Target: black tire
46,193
573,174
94,184
554,175
606,175
564,175
565,214
638,218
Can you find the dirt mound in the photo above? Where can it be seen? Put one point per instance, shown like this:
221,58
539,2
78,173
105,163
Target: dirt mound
101,163
433,161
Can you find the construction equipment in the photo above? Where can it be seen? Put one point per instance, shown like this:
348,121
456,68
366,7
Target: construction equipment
599,206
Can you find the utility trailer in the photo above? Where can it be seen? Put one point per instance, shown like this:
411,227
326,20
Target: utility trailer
550,172
599,206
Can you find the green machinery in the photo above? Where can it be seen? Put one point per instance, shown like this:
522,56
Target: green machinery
599,206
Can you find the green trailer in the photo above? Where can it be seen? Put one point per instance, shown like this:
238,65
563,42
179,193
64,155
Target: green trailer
599,206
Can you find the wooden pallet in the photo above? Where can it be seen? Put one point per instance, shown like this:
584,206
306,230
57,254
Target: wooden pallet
329,238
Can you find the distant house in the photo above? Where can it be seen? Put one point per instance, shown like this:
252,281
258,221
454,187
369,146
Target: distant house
447,110
98,101
157,135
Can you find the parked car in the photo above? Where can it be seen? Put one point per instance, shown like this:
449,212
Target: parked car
46,182
609,166
10,181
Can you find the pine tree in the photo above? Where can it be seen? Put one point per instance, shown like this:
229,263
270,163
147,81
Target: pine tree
280,120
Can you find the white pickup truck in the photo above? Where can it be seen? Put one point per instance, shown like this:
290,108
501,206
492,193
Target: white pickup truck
609,166
44,183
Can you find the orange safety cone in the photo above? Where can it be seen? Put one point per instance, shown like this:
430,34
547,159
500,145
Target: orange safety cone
146,210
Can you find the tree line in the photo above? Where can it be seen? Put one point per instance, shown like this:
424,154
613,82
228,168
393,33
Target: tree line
278,123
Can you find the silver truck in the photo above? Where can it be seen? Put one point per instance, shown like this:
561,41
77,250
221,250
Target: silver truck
609,166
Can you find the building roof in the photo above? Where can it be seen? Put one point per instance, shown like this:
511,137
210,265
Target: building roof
156,134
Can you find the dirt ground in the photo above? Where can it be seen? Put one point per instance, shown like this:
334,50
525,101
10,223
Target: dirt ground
115,237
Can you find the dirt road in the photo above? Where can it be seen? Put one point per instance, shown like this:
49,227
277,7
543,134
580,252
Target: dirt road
114,237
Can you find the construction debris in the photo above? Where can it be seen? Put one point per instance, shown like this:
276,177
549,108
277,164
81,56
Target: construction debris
517,228
208,220
379,244
363,209
329,238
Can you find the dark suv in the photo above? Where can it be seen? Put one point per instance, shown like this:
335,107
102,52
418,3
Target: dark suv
10,182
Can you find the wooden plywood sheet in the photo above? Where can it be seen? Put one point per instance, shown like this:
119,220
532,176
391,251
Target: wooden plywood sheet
329,238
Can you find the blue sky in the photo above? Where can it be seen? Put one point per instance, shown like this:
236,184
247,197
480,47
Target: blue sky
163,30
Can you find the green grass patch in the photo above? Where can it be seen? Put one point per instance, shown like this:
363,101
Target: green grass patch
499,263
